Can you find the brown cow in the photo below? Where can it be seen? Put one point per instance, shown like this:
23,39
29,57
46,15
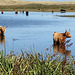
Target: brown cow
16,12
60,37
67,34
2,30
2,12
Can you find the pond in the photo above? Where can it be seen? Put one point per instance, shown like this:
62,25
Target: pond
36,30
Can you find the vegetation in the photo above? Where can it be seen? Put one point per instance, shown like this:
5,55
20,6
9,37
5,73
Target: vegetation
38,7
32,63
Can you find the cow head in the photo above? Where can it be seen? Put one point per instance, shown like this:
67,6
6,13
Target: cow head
2,30
67,34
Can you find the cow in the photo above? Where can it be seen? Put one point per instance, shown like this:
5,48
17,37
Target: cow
16,12
62,10
60,37
2,12
2,30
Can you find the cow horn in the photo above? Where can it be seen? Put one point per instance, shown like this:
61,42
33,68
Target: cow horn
69,30
65,30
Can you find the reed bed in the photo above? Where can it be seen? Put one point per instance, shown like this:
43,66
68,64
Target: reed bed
32,63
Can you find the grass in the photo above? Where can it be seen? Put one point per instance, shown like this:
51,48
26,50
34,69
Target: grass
32,63
42,6
38,7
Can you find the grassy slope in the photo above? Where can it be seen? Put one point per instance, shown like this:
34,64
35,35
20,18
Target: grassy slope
35,5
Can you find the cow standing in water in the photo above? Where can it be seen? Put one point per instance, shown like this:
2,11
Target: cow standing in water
16,12
2,12
2,30
60,37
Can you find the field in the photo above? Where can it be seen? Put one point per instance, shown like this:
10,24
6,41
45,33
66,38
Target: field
44,6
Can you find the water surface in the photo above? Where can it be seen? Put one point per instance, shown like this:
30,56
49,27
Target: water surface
37,29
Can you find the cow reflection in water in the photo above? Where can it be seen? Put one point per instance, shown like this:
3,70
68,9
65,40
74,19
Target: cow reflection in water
2,39
59,48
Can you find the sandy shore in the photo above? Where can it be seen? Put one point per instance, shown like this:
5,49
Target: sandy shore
44,6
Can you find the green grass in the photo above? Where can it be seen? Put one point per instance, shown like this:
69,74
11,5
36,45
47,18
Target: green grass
32,63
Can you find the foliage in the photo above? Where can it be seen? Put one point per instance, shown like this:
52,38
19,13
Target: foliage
36,6
36,64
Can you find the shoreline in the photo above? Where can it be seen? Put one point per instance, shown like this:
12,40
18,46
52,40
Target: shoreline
37,6
65,15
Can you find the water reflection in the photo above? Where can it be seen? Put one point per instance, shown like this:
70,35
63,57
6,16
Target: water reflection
59,48
34,29
2,42
2,39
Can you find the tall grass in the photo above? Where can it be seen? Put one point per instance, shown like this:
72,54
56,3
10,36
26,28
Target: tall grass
32,63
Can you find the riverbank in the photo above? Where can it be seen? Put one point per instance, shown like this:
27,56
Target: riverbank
37,6
65,15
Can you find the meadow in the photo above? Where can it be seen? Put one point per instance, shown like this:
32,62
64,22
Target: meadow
43,6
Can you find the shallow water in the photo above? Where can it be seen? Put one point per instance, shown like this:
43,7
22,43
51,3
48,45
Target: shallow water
23,32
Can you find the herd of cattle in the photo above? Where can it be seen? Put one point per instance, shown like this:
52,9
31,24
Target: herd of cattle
58,40
57,37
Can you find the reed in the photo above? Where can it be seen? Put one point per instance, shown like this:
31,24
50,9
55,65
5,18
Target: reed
32,63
